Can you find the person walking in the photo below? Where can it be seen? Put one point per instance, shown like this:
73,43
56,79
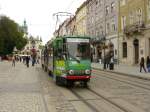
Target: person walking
107,61
38,60
148,63
142,64
13,61
111,65
27,61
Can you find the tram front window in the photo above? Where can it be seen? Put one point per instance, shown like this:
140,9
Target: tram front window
79,50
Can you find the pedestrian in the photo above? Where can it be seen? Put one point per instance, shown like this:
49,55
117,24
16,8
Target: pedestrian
27,60
24,59
148,63
38,60
111,65
20,58
107,61
142,64
33,61
13,61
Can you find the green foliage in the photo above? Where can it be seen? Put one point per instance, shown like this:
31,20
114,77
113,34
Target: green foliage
10,36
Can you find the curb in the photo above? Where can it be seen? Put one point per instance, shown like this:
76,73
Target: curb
120,73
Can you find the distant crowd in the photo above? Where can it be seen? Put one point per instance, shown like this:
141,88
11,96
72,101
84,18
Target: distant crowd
25,59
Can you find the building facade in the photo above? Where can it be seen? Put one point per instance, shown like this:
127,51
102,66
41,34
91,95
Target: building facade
81,15
71,26
95,26
102,24
134,30
111,27
62,30
32,43
90,25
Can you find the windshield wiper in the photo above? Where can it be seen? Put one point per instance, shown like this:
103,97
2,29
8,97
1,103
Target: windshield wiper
74,58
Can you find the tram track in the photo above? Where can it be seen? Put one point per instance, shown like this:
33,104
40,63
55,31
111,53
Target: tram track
123,74
118,78
84,101
93,108
108,100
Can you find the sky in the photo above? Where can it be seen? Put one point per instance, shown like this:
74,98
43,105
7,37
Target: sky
38,14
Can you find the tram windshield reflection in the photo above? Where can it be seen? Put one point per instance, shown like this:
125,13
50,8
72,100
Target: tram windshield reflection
79,50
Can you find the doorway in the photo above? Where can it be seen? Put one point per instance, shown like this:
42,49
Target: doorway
136,51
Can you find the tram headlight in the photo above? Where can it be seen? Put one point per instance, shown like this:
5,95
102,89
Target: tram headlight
87,72
71,72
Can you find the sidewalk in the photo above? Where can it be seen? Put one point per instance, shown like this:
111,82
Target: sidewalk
125,70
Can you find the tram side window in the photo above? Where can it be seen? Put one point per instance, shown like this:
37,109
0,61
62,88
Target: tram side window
64,53
58,53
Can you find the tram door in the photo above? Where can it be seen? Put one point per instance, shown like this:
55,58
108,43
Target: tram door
136,50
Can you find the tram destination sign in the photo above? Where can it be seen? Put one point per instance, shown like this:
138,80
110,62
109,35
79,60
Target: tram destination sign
78,40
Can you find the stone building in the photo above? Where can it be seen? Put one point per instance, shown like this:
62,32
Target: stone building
32,43
62,29
134,30
81,15
102,22
71,26
90,25
95,25
111,26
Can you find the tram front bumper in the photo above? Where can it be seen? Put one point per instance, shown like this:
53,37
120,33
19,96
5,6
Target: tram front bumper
74,77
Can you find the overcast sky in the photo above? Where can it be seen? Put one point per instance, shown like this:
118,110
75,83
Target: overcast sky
38,13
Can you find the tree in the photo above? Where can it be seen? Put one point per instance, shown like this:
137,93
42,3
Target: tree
10,36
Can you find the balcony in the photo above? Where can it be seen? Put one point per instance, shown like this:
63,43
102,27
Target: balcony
134,29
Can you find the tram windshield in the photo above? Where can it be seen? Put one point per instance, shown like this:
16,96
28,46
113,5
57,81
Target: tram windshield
78,49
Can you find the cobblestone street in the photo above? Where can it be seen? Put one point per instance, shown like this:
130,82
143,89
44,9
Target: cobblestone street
25,89
30,89
20,89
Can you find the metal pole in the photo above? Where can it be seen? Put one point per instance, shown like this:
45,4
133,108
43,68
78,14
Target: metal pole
105,33
118,32
104,57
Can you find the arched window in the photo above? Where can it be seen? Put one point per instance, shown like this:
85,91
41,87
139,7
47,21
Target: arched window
139,15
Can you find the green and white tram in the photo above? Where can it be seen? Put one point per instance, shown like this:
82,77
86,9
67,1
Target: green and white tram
70,59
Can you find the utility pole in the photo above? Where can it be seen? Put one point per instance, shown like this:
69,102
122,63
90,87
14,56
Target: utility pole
61,14
119,18
104,38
